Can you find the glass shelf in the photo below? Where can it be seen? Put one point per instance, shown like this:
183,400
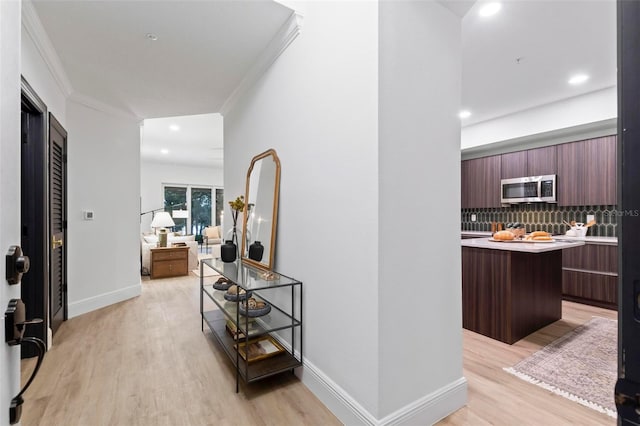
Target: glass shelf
273,321
249,277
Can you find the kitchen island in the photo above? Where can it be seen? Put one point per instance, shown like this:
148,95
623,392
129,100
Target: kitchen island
511,289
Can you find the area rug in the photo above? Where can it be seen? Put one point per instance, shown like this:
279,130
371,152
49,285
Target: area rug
580,366
208,272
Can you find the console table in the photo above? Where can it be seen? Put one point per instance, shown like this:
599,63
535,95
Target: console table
282,325
169,262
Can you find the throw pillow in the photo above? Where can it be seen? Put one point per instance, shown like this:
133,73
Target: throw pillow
182,238
151,238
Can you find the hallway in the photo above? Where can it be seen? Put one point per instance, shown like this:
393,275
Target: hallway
146,362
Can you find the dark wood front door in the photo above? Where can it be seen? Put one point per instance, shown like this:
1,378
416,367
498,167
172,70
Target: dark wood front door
33,214
57,222
627,214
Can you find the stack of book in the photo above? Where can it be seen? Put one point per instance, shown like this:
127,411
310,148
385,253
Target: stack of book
253,328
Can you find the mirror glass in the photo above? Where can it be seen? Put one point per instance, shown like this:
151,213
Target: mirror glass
261,210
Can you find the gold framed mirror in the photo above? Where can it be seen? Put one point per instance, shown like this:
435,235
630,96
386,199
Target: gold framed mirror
261,210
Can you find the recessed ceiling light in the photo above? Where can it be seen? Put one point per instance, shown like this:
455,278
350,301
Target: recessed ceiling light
164,151
464,114
490,9
151,36
578,79
174,127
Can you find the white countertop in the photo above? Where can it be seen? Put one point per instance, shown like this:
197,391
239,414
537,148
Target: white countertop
609,241
486,243
477,233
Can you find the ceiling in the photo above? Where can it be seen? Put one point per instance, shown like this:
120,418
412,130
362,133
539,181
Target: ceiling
204,49
198,140
554,39
202,52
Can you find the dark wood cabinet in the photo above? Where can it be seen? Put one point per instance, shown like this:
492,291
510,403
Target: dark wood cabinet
570,159
542,161
513,165
590,275
587,172
480,179
600,171
503,302
532,162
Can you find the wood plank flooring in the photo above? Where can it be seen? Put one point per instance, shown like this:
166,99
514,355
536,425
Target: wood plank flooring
498,398
146,362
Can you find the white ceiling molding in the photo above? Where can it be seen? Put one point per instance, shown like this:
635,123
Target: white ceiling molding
285,36
36,31
95,104
554,137
34,28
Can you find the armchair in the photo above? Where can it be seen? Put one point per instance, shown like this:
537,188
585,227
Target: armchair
211,237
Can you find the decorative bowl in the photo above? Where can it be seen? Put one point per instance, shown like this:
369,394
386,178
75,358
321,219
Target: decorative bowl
222,284
254,312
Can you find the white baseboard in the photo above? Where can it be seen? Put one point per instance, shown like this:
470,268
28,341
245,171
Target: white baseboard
424,411
431,408
100,301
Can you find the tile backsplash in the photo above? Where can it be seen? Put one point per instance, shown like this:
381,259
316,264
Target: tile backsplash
544,217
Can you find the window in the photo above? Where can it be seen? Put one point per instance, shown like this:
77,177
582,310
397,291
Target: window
198,202
175,198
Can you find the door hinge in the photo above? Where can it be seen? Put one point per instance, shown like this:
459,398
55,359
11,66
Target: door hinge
64,224
64,287
64,158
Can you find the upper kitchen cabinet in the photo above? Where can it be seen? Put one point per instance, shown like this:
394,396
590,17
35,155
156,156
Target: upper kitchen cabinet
542,161
481,182
514,165
532,162
587,172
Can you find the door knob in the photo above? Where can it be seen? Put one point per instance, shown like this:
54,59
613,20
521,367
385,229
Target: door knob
16,265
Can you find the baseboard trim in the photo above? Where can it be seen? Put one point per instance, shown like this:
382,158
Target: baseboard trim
100,301
426,410
432,407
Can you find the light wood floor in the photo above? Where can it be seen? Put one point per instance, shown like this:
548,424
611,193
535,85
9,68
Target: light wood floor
146,362
498,398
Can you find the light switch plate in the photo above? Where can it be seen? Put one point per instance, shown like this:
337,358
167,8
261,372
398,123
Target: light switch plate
473,218
590,217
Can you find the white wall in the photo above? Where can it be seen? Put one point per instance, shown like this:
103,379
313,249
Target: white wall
154,175
103,176
9,187
419,210
317,107
37,74
580,110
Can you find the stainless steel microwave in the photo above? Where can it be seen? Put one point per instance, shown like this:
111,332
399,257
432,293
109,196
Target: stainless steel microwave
530,189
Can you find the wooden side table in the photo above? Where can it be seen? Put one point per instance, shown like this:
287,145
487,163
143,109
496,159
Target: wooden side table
169,262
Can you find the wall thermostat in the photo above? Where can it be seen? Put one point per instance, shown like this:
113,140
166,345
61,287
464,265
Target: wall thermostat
88,214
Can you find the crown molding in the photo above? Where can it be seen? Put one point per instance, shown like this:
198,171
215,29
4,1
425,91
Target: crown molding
97,105
32,24
278,44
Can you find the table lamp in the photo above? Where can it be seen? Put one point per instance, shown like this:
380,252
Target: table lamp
162,220
181,214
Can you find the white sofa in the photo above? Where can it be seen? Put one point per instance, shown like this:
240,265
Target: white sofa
149,241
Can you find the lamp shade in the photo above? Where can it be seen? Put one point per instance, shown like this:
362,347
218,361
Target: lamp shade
180,214
162,220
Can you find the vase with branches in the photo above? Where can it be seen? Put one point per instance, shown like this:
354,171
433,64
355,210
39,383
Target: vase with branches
237,206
